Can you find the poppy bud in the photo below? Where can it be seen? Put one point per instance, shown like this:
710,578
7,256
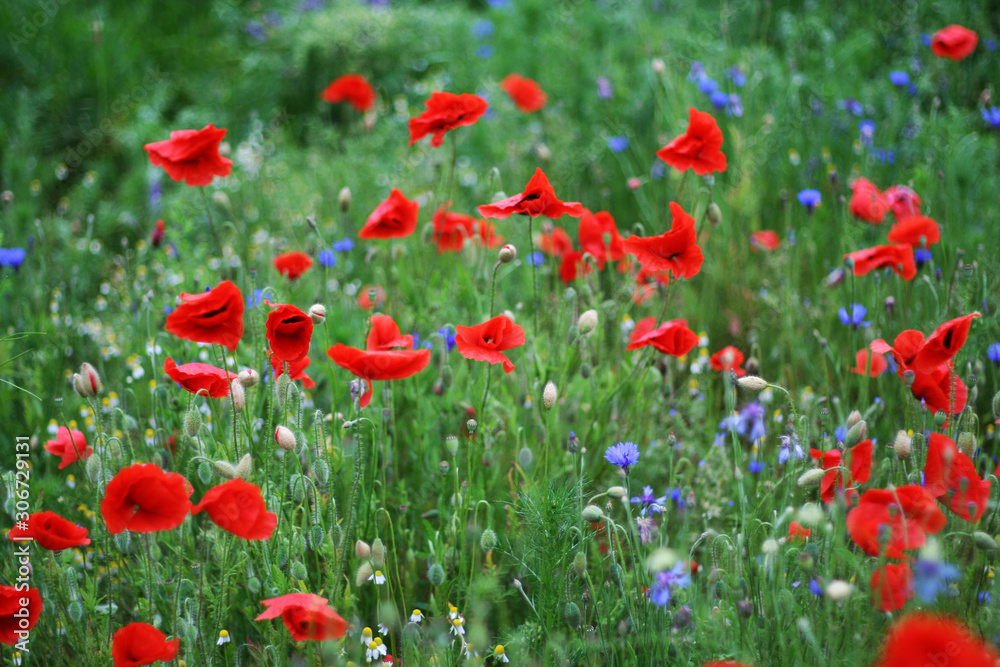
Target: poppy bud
744,608
856,434
281,388
244,467
93,468
587,322
509,315
285,438
616,574
967,443
225,469
984,541
592,513
321,472
362,549
853,418
714,214
902,445
249,378
659,66
89,380
192,422
525,457
364,572
549,395
317,313
239,396
571,613
435,575
617,491
221,199
811,477
378,552
752,383
344,199
488,540
580,563
507,254
838,590
543,152
572,333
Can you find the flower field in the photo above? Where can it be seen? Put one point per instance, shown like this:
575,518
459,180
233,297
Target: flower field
499,332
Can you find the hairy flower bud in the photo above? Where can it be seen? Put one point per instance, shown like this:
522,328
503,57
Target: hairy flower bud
587,322
378,552
488,540
362,549
285,438
549,395
967,443
192,422
317,313
811,477
856,434
239,396
714,214
580,563
838,590
344,199
617,492
89,383
752,383
435,575
225,469
984,541
249,378
902,445
592,513
364,572
507,254
244,467
571,613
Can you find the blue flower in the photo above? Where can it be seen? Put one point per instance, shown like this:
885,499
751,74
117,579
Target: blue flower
851,105
623,455
810,198
649,501
697,71
993,353
483,52
343,245
327,258
992,116
617,144
815,588
497,4
658,170
990,44
735,106
921,256
756,466
856,316
255,299
932,577
925,39
536,258
603,88
482,29
449,338
899,78
867,129
752,418
256,30
789,447
840,433
736,75
708,85
12,257
675,577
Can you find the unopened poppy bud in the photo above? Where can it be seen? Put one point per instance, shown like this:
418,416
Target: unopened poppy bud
856,434
317,313
549,395
79,386
890,305
617,491
435,575
285,438
571,613
714,214
902,445
244,467
967,443
225,469
344,199
238,395
585,370
488,540
580,563
192,422
543,152
616,574
362,549
838,590
281,388
984,541
659,66
507,254
744,608
91,379
752,383
509,315
853,418
572,333
592,513
378,552
752,365
249,378
811,477
940,417
587,322
364,573
221,199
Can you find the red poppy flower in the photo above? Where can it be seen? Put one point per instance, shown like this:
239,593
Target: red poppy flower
537,199
725,663
893,584
379,365
12,628
923,639
859,465
145,499
306,615
949,472
364,297
191,155
904,515
293,264
451,229
197,376
237,507
289,331
898,257
879,364
918,231
594,228
394,218
556,243
647,282
572,265
446,111
385,335
296,369
69,446
488,234
526,93
215,316
954,42
488,341
941,390
352,88
141,644
797,532
942,345
728,359
766,239
904,349
50,531
903,201
868,202
675,250
156,238
672,337
699,148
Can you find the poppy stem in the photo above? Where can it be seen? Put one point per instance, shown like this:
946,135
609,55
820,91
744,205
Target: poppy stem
534,269
149,577
215,233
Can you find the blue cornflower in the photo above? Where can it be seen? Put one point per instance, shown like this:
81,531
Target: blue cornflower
719,99
617,144
603,88
12,257
497,4
867,129
932,577
155,195
449,338
855,317
840,433
990,44
482,29
697,71
925,39
484,51
623,455
343,245
899,78
273,19
310,5
649,501
815,588
993,353
851,105
788,448
256,30
752,421
810,199
327,258
735,106
675,577
658,170
921,256
736,75
255,299
756,466
992,116
708,85
536,258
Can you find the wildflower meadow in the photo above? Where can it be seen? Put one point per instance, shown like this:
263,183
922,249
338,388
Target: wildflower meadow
569,332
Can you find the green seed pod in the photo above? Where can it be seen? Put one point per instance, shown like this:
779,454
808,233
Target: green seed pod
451,444
488,540
321,472
616,574
571,612
940,417
435,575
192,422
299,572
205,472
378,552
